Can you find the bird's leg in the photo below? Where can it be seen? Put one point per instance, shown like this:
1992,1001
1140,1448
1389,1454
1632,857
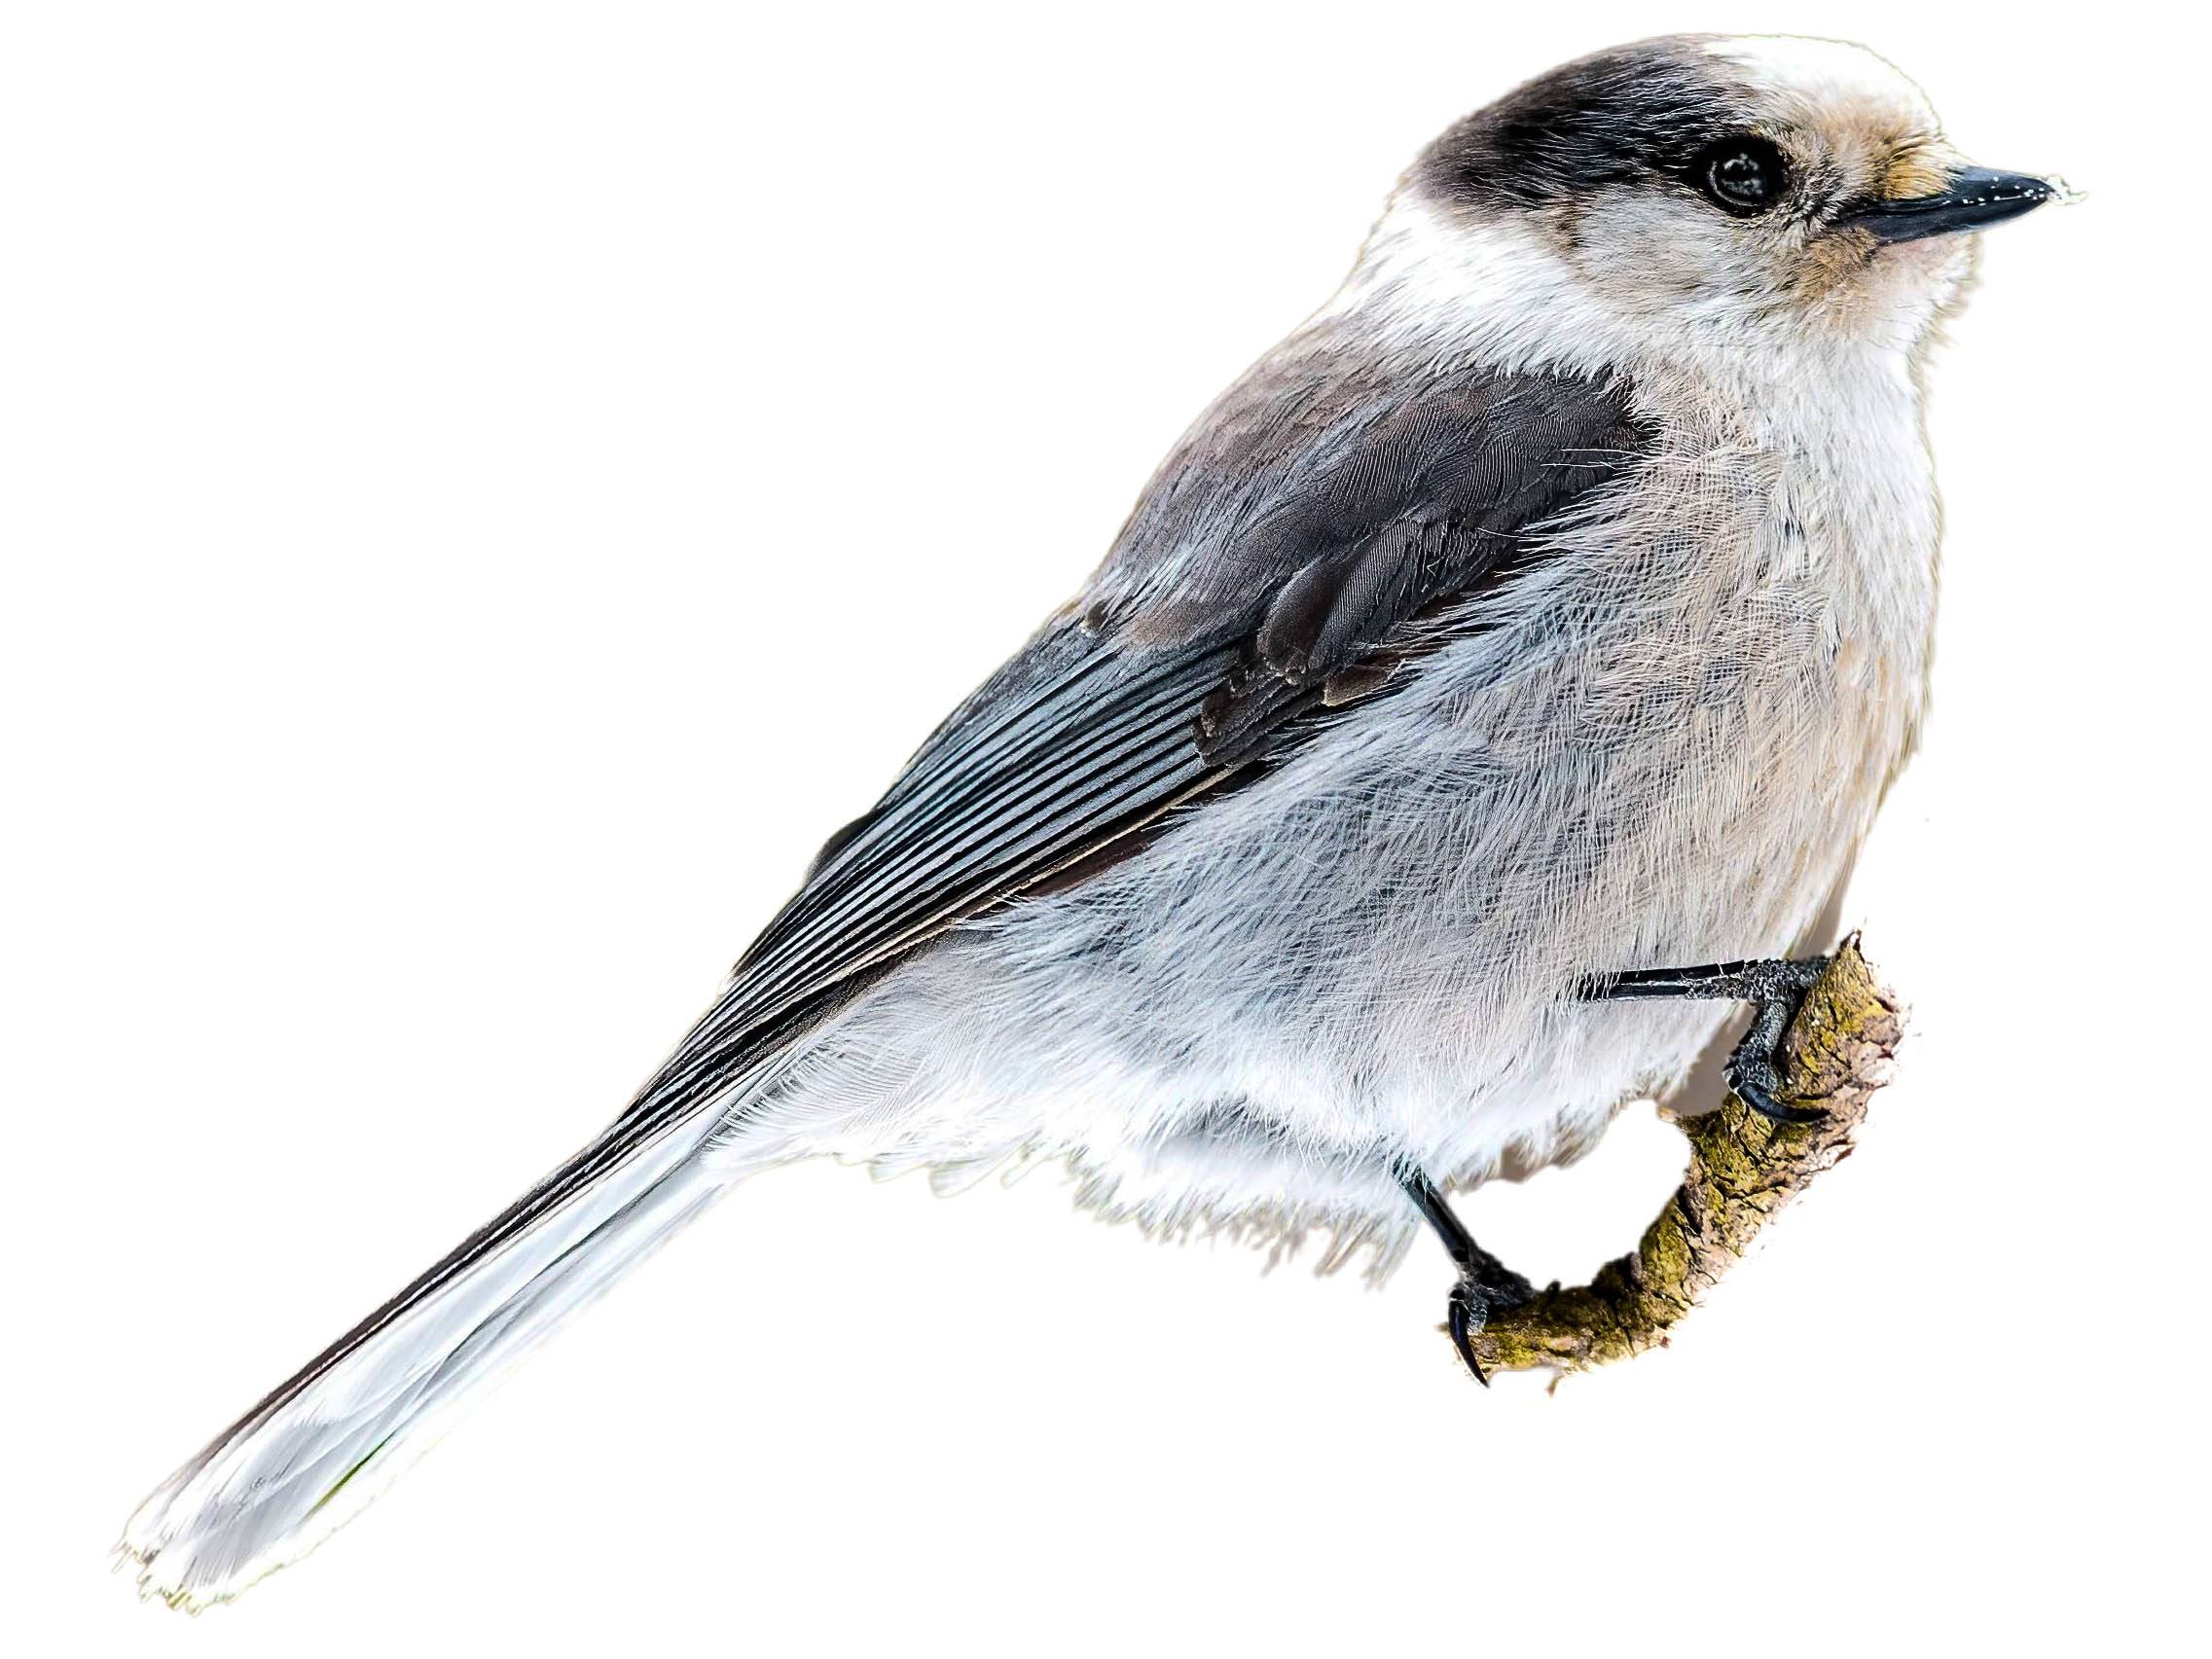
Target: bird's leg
1485,1283
1775,989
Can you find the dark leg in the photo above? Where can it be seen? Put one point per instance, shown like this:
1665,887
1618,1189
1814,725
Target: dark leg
1485,1283
1775,989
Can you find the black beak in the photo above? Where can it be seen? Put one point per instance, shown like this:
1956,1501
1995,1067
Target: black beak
1976,198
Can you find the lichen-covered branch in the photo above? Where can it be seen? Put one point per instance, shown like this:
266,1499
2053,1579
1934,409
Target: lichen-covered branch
1743,1169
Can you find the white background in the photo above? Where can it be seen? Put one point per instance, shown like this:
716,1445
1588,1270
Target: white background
487,489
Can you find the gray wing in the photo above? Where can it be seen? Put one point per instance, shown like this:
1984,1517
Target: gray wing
1277,563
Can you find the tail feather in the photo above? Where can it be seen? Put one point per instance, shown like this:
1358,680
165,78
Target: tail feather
318,1450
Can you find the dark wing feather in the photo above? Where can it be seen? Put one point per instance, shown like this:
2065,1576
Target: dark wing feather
1308,519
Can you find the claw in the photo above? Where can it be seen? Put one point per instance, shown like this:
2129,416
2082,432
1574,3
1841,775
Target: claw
1762,1101
1460,1321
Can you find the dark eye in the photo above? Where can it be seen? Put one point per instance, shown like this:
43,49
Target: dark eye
1741,175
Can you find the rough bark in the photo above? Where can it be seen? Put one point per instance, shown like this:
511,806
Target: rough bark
1743,1169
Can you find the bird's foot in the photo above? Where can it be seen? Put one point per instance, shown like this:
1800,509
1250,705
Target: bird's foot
1484,1288
1775,989
1754,1066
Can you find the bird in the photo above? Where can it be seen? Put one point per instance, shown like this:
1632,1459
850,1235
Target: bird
1479,706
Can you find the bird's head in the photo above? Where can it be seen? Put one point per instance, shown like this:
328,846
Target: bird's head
1697,194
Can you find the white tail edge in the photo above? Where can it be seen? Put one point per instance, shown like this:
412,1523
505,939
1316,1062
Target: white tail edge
317,1451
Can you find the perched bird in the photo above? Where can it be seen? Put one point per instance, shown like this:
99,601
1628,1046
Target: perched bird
1486,693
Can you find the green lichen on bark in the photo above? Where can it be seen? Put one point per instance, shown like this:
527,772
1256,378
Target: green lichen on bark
1743,1169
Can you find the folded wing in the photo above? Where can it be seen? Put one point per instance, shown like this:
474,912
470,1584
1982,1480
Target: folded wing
1277,566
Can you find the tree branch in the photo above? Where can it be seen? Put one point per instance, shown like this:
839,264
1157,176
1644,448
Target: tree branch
1743,1169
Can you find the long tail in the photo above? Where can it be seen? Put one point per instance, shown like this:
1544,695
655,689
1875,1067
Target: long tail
313,1454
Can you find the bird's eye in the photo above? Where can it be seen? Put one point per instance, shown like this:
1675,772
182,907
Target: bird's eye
1741,175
